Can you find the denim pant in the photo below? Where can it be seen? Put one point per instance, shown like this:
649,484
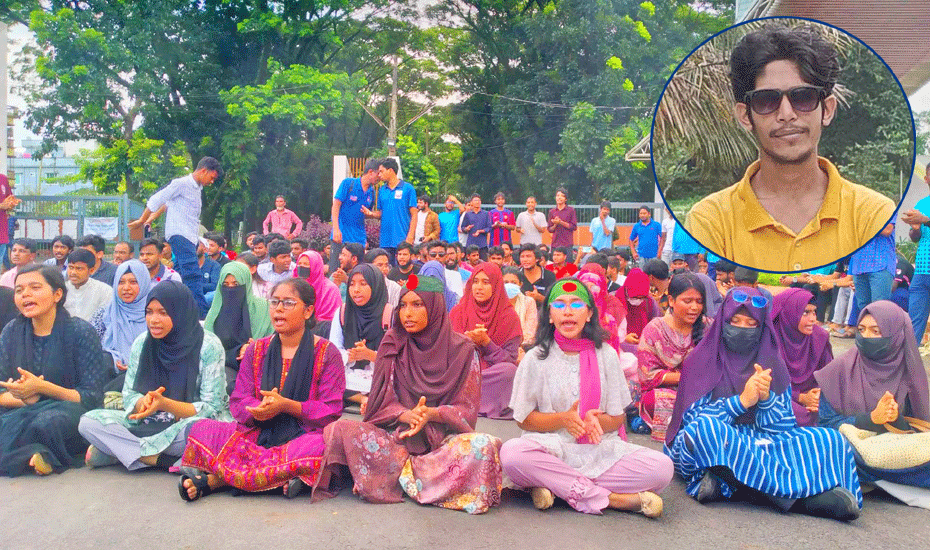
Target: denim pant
918,303
335,249
872,287
844,305
185,253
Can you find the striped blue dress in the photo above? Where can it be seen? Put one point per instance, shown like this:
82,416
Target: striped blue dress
772,456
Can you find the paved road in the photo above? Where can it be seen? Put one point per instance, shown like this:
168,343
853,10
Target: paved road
110,508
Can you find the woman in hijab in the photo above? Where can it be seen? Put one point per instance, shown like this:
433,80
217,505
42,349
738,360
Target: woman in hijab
733,429
328,300
638,307
420,417
361,328
805,346
526,307
435,269
175,377
260,286
8,310
121,322
289,388
237,316
52,370
582,459
876,385
487,318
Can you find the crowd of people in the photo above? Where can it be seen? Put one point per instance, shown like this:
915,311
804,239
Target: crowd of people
234,370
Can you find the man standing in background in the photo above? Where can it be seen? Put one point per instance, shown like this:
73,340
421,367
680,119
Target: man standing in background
397,201
123,251
449,219
346,214
602,228
531,223
426,227
562,220
477,224
502,221
646,237
282,221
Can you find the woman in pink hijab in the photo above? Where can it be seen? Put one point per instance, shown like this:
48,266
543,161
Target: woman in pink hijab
328,299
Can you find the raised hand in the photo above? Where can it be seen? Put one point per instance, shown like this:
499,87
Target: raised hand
149,404
572,422
763,381
886,410
479,335
751,394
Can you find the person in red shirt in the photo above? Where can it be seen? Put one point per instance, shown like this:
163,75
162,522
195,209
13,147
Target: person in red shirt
560,265
7,203
562,220
503,222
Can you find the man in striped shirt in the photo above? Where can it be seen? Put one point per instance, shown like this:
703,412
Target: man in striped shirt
182,197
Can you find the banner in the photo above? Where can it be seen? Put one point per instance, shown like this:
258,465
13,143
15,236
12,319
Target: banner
108,228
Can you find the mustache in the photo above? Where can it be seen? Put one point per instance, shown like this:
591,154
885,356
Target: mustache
785,130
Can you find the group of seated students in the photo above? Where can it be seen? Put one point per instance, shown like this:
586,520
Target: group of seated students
742,389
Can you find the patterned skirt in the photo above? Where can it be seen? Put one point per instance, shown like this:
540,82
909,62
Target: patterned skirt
656,407
464,473
229,450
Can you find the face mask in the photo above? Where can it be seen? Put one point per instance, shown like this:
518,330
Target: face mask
741,339
512,290
303,272
636,301
873,348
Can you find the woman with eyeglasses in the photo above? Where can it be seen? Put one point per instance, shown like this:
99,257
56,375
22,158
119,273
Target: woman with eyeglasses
733,432
175,377
880,387
568,398
290,386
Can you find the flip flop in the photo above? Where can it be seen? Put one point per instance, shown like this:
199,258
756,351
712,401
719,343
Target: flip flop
294,487
200,483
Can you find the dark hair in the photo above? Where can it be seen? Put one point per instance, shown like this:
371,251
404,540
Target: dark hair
52,276
371,164
132,247
532,248
417,249
599,259
815,57
495,251
82,256
304,291
277,248
302,242
508,243
724,266
356,250
259,239
567,250
210,164
471,249
646,208
65,240
250,233
436,243
373,254
404,245
606,204
459,247
389,164
657,268
545,332
614,262
250,260
511,270
271,237
624,252
151,241
29,244
679,284
499,194
473,197
424,198
744,275
562,190
94,241
217,238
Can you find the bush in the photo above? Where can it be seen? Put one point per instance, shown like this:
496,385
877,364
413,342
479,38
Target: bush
316,232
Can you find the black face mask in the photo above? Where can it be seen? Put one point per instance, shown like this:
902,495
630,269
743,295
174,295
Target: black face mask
679,271
873,348
303,272
741,339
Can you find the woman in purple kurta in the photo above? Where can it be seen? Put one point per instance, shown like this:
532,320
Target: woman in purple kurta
486,316
418,431
806,349
277,439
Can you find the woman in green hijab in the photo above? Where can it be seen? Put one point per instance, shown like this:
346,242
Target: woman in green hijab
237,316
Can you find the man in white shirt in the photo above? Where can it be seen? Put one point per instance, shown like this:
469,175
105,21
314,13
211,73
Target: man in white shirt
183,200
279,266
531,224
85,295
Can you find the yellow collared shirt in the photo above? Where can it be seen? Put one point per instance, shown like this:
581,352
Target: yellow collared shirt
734,225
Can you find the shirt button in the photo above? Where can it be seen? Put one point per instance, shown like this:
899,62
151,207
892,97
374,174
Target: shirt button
797,266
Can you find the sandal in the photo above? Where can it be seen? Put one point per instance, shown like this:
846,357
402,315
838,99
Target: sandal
543,498
95,458
294,487
200,481
650,504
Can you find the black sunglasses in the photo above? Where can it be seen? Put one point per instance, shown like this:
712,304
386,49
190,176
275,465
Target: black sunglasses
802,98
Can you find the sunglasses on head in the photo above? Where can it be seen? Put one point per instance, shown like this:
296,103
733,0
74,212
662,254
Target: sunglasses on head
741,297
802,98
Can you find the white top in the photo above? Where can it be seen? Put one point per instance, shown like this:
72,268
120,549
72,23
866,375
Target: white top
270,276
529,232
421,224
357,380
552,386
455,283
182,196
668,227
85,301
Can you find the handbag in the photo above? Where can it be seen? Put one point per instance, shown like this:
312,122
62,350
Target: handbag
889,451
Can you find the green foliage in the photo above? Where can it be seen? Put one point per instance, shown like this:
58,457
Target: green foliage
416,167
151,163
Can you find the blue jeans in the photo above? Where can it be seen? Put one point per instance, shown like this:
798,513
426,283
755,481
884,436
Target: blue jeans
918,303
872,287
185,253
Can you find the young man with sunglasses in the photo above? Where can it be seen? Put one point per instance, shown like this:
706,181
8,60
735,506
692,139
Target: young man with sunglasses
792,210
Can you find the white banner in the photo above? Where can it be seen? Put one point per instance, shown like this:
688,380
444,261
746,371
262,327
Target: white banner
108,228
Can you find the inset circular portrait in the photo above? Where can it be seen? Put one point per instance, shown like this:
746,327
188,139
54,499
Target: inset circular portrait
784,145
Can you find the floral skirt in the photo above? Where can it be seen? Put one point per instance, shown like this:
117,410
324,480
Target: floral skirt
656,408
463,473
229,450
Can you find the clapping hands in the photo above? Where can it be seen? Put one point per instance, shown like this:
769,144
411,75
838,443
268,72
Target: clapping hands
757,388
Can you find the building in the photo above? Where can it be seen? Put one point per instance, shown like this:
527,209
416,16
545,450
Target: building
45,176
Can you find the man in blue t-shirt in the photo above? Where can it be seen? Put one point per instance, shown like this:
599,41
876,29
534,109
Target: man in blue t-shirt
477,224
347,216
646,236
397,203
602,228
449,219
918,302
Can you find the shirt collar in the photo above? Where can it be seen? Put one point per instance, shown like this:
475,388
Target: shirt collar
755,216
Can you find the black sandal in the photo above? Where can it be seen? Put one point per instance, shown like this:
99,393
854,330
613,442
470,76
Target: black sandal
294,487
200,481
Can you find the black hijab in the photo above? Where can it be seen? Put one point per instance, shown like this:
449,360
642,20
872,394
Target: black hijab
297,385
174,360
8,310
233,326
364,322
57,362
